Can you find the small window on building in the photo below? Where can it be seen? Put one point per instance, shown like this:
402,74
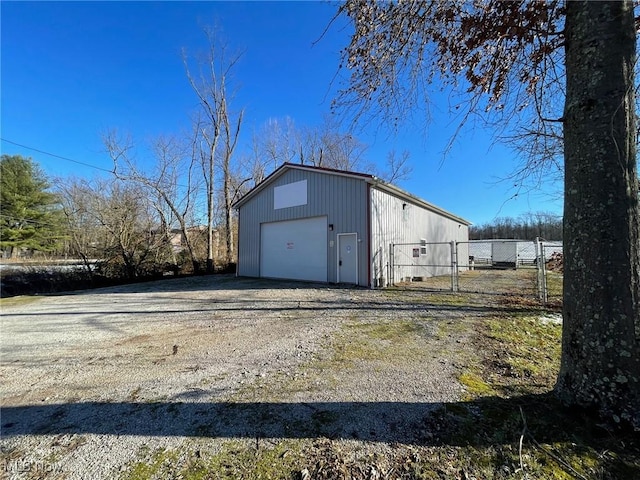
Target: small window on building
423,246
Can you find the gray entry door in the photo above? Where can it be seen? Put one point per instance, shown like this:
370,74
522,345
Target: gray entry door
348,258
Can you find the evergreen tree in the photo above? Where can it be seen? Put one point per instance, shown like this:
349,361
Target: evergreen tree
30,216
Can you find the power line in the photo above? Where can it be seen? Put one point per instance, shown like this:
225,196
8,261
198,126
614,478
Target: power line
74,161
56,156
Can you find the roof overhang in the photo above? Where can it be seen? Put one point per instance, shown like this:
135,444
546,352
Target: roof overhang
294,166
398,192
370,179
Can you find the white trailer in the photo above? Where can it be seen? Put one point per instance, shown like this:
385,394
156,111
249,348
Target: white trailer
504,253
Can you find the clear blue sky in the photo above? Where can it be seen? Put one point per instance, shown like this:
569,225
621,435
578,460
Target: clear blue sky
72,70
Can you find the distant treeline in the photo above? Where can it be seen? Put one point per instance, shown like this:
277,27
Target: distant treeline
525,227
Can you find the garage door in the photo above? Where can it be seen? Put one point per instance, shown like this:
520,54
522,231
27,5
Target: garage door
294,249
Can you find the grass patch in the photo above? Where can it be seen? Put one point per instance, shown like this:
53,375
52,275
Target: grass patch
557,443
234,460
463,449
518,354
154,466
18,301
422,297
554,284
475,385
524,354
509,400
375,341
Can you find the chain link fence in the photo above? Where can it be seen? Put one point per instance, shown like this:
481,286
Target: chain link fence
525,268
498,267
429,264
551,272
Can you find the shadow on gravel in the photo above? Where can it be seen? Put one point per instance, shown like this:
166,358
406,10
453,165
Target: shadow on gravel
477,422
209,283
44,285
241,306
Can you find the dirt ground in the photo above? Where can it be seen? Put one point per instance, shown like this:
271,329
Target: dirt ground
91,380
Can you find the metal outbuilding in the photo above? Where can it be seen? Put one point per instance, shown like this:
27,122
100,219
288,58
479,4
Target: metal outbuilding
318,224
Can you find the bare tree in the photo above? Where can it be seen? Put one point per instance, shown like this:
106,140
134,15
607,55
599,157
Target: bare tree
127,219
254,164
342,151
216,123
397,168
279,142
517,62
112,223
171,186
83,225
230,187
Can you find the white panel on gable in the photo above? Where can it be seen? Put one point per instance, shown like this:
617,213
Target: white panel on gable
290,195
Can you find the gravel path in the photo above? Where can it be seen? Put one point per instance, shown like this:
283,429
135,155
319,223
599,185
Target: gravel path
91,379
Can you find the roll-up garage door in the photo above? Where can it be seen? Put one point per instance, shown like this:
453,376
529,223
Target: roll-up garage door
294,249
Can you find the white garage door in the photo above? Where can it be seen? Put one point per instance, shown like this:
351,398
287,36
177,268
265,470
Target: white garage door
295,249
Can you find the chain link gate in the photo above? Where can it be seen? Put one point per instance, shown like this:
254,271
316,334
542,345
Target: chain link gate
508,267
551,271
430,263
501,267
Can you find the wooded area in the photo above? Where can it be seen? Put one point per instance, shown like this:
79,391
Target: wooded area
528,226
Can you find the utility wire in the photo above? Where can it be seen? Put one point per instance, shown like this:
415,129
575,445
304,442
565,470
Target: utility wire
56,156
71,159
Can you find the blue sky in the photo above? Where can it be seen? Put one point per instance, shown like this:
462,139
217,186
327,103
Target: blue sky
72,70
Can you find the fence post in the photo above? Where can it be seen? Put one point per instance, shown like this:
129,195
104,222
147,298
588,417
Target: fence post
392,280
538,247
545,293
457,266
454,268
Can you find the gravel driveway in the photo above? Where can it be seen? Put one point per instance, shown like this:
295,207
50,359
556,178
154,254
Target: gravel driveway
91,379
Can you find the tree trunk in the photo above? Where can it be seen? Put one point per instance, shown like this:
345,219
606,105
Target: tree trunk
228,216
600,365
209,172
210,194
187,241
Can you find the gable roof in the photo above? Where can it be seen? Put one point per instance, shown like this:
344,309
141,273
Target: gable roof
366,177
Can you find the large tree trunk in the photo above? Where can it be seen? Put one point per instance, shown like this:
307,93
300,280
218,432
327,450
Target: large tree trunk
600,365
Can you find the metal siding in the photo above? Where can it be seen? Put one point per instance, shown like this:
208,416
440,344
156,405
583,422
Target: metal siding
390,223
342,199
